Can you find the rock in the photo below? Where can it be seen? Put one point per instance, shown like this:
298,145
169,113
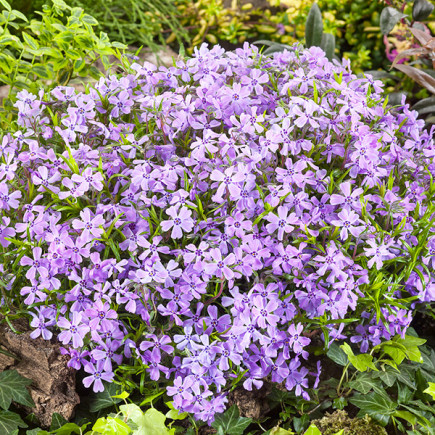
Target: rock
53,388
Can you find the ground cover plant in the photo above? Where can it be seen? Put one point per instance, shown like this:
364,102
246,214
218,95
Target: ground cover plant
218,223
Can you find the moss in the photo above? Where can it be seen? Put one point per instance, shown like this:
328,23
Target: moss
333,423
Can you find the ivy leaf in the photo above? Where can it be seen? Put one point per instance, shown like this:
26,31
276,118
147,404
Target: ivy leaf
313,430
430,390
57,421
151,422
110,426
389,18
105,399
9,422
231,422
361,362
378,406
13,388
71,428
363,383
337,355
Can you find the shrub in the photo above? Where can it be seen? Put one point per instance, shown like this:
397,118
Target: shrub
203,225
55,47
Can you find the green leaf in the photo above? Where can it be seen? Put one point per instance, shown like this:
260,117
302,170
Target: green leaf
41,71
13,388
9,422
361,362
280,431
389,18
363,383
313,430
6,5
57,421
105,399
430,390
71,428
421,10
337,355
314,27
111,426
231,422
378,406
328,45
398,355
30,41
174,414
89,19
151,422
411,344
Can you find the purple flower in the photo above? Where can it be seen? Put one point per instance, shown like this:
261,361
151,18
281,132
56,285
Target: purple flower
181,221
6,231
38,265
87,179
74,330
283,222
97,376
219,266
90,226
347,222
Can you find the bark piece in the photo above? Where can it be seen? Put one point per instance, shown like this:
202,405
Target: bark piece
53,387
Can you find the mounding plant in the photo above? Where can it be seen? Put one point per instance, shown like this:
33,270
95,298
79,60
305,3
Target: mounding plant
217,222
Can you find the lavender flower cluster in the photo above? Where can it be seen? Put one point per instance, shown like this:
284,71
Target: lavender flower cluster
213,219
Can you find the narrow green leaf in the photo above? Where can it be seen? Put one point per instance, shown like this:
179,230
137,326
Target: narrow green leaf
314,27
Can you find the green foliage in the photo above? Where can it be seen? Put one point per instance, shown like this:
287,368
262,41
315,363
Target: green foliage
136,22
104,399
230,422
13,388
52,49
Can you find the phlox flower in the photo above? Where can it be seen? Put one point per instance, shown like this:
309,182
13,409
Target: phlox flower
75,330
181,221
97,376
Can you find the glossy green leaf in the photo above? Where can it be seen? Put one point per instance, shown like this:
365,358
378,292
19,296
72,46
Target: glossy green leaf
389,18
57,421
337,355
361,362
430,390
